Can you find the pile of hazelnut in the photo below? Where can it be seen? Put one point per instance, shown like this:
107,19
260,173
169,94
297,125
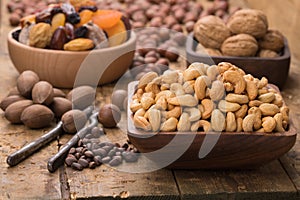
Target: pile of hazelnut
246,34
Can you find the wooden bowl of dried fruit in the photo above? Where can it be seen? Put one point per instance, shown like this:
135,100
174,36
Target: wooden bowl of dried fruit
227,128
97,48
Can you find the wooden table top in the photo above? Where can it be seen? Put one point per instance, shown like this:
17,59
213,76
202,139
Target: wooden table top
31,179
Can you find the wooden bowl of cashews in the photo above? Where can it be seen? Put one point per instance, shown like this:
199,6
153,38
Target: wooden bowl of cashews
208,117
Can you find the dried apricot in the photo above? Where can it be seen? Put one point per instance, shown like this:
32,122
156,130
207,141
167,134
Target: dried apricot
79,3
117,34
85,16
106,18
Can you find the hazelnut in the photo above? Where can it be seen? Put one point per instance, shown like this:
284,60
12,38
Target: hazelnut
13,111
42,93
25,83
37,116
109,115
9,100
117,98
73,120
60,106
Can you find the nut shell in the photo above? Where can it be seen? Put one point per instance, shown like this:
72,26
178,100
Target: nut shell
211,31
82,97
26,81
109,115
42,93
60,106
73,120
240,45
266,53
273,40
10,100
37,116
249,21
13,112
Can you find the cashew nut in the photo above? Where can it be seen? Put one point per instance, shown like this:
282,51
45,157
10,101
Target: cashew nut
164,86
207,106
147,78
140,112
257,121
263,90
183,100
194,114
188,87
263,82
252,89
241,113
269,124
190,74
235,78
218,121
254,103
237,98
266,98
142,123
170,77
166,93
226,106
177,89
154,119
152,87
212,72
135,105
231,124
268,109
278,118
228,87
169,125
161,103
239,124
278,100
248,123
217,90
147,101
175,112
284,110
200,87
201,124
184,124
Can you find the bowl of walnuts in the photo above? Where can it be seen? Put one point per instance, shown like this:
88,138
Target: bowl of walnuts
245,40
67,42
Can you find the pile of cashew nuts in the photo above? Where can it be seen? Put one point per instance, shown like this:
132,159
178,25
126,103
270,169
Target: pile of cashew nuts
208,98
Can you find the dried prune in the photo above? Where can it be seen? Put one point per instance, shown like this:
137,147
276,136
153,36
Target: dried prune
16,34
59,38
81,32
73,18
56,10
91,8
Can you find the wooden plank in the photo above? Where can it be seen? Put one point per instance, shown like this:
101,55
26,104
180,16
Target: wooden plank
267,182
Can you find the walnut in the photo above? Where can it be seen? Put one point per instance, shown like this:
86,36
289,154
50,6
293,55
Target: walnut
211,31
40,35
240,45
249,21
266,53
273,40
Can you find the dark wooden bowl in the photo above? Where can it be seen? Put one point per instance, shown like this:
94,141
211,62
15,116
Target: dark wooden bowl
233,150
275,69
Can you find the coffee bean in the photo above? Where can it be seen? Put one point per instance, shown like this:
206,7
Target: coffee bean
72,150
84,163
118,153
80,143
106,159
108,148
150,59
190,26
92,165
100,152
129,156
89,154
96,132
85,141
111,153
79,149
70,160
77,155
77,166
115,161
97,160
89,136
89,146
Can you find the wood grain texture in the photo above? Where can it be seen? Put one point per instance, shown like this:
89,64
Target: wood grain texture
268,182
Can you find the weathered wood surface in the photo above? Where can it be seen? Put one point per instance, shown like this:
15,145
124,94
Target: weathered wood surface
31,180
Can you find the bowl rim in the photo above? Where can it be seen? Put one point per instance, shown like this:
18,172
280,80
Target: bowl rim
11,40
190,42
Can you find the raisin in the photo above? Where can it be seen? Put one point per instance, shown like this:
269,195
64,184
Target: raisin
16,34
81,32
91,8
56,10
73,18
